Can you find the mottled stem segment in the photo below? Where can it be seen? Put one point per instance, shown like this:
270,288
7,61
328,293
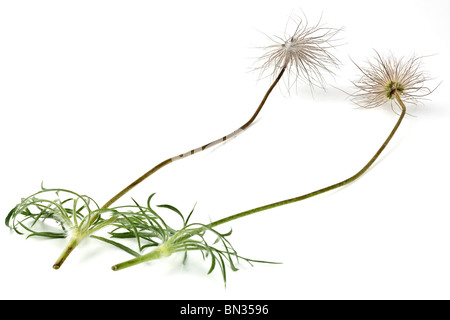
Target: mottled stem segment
156,255
193,151
69,248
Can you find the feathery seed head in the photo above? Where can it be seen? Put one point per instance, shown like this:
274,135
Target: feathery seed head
388,75
304,54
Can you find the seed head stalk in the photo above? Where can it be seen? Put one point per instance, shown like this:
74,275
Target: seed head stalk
302,55
73,242
326,189
197,150
155,254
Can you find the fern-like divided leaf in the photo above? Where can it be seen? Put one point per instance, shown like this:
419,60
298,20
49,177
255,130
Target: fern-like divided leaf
52,213
151,230
59,213
194,237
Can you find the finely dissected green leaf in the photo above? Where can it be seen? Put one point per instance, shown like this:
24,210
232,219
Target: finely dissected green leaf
8,217
128,235
118,245
189,215
53,235
167,206
56,206
192,237
72,213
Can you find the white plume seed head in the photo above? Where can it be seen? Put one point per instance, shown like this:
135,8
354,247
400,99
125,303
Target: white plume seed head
387,75
304,53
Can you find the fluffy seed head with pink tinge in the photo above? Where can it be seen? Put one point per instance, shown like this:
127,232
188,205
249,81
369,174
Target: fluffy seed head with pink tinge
305,54
387,75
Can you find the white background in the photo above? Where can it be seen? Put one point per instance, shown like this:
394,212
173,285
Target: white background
95,93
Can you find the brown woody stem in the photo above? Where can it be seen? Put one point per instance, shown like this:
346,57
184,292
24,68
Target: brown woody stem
193,151
73,243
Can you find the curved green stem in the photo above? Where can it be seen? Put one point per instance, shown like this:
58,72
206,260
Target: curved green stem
73,243
81,234
155,255
323,190
69,248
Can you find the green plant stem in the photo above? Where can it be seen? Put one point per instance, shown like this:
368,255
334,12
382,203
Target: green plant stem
152,255
73,243
323,190
75,240
159,252
69,248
